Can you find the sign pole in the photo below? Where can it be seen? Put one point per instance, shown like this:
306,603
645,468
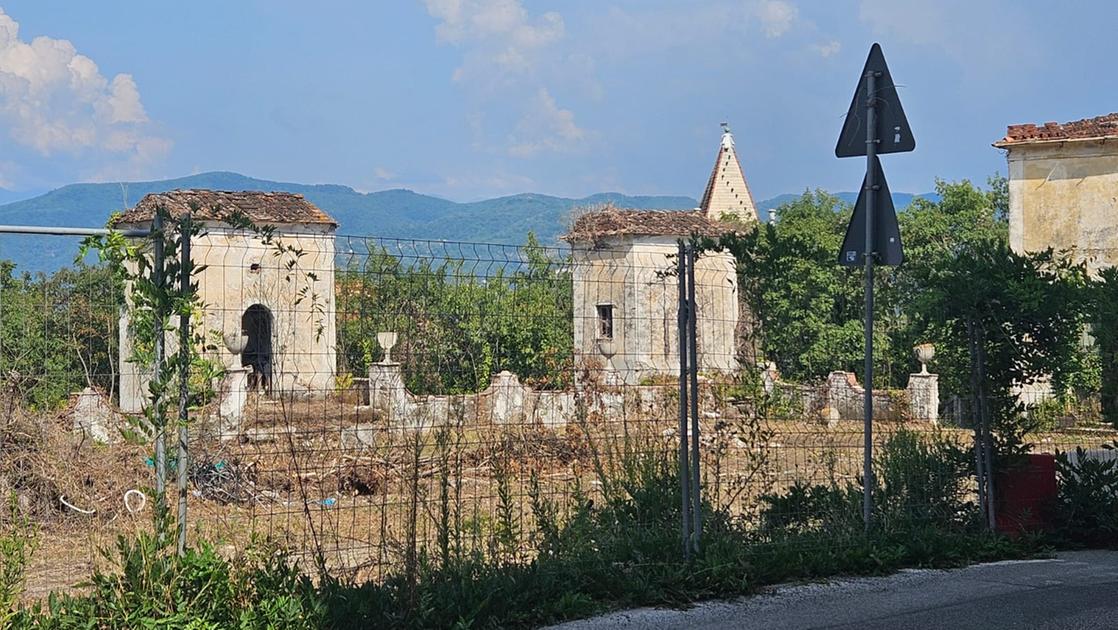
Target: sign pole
870,192
880,234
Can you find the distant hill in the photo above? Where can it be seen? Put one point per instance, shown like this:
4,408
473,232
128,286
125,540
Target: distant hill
394,213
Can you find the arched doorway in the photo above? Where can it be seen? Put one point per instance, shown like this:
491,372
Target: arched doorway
257,326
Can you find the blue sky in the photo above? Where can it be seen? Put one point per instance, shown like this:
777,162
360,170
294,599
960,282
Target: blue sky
468,99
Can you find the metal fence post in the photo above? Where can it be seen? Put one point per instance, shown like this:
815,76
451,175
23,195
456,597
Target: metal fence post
684,468
184,375
158,280
693,334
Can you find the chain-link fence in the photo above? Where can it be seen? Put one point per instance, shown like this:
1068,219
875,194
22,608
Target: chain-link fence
370,405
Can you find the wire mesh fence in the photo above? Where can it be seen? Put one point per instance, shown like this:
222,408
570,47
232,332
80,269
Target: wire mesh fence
369,405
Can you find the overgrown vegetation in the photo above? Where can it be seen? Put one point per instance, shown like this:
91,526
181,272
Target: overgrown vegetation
620,549
1027,310
57,332
1001,321
616,542
1087,508
922,481
459,321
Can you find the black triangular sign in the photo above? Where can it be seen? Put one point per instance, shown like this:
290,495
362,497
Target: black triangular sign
886,233
893,132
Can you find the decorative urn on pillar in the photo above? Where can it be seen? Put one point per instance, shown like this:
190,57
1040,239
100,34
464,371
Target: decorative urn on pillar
924,352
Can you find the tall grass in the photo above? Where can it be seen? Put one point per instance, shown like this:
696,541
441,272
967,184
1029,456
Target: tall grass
617,548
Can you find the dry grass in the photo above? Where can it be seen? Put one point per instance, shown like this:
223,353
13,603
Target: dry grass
294,484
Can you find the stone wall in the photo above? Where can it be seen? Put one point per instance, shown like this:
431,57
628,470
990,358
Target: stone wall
841,398
508,402
1064,196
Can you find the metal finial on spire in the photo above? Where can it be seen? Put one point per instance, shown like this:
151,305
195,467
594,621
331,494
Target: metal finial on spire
727,137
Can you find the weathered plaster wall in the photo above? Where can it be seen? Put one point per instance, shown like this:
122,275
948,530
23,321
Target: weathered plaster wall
1064,195
629,274
303,333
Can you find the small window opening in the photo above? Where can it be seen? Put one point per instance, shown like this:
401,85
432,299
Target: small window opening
605,321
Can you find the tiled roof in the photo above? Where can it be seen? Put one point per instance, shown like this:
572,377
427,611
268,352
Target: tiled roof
1088,128
262,208
610,221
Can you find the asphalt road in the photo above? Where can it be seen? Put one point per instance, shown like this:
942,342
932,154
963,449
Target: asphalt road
1073,591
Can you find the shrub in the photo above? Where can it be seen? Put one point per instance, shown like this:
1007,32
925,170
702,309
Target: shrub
923,481
1087,498
153,587
919,482
17,544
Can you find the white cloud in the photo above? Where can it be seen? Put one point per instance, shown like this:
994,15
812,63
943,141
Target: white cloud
500,35
53,99
776,16
383,174
960,29
545,127
509,66
827,49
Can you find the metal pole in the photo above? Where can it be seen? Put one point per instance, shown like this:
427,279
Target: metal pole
684,469
159,315
692,329
976,406
871,186
987,445
43,230
184,373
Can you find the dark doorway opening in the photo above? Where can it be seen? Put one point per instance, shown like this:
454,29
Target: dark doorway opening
257,326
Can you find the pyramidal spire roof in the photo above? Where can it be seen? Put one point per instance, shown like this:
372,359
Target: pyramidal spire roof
727,195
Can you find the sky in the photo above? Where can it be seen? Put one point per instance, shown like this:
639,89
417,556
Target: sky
469,99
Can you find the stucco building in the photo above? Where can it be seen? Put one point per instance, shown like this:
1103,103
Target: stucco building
1063,188
625,307
285,309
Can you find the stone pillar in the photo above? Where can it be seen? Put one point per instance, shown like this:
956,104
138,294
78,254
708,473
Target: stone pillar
769,376
923,397
508,399
92,415
387,395
231,410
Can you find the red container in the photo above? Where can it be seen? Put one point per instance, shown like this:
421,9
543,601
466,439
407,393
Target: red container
1025,495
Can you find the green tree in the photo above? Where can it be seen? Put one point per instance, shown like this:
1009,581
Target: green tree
1105,311
809,309
1015,317
460,321
58,333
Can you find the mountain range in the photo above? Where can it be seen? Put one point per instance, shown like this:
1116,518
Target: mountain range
396,213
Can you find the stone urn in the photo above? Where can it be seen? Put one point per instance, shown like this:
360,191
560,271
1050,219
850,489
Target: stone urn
607,348
235,343
387,340
924,352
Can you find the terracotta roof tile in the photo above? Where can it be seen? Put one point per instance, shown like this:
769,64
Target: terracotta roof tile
610,222
1088,128
263,208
